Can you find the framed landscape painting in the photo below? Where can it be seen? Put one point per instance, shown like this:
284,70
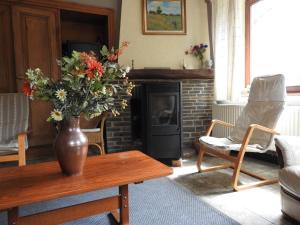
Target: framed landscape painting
164,17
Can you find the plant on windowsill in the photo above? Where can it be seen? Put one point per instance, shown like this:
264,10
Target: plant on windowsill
87,87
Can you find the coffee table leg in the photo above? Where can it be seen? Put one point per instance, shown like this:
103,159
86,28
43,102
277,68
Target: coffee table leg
124,210
122,217
12,216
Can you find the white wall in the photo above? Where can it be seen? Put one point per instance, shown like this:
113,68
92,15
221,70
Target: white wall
162,50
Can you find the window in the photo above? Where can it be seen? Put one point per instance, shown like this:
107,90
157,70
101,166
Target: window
273,40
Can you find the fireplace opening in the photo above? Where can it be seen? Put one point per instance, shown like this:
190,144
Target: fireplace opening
156,119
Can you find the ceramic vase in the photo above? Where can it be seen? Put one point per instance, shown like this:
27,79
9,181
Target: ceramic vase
71,146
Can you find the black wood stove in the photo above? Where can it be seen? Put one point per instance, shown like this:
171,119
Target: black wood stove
156,119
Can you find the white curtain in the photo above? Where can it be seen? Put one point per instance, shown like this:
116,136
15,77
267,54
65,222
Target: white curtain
228,37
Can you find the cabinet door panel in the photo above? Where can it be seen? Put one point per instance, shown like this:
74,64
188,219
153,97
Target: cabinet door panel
7,78
36,41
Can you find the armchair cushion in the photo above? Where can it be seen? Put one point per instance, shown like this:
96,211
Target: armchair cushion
289,178
226,144
265,104
290,149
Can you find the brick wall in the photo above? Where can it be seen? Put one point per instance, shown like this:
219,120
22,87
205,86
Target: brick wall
196,99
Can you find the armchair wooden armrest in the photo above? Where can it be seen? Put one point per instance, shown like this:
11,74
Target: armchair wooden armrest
250,130
215,122
262,128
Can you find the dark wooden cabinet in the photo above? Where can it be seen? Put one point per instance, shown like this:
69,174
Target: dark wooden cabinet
7,75
36,46
31,37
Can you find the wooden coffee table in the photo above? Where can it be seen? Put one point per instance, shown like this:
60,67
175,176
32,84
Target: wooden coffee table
39,182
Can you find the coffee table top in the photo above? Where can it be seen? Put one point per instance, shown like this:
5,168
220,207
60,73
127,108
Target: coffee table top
44,181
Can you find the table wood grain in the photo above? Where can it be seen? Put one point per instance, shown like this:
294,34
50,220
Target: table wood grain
44,181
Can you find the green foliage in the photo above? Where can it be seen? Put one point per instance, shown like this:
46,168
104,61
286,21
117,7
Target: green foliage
86,86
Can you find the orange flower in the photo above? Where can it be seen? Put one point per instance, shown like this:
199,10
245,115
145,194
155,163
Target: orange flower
112,57
94,68
121,49
27,89
87,57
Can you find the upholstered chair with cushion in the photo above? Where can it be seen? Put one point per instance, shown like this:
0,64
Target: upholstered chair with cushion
288,150
252,132
14,113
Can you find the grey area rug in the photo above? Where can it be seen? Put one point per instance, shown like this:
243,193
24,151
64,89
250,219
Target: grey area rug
154,202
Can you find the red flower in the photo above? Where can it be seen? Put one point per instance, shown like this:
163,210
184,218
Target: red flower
27,89
94,68
112,57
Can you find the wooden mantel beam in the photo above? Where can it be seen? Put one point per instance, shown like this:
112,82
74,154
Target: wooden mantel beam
171,74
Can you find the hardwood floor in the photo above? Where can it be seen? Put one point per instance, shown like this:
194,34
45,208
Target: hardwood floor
255,206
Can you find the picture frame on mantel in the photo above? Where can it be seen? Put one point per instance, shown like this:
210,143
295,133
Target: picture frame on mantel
164,17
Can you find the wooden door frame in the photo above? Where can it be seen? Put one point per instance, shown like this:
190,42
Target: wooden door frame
63,5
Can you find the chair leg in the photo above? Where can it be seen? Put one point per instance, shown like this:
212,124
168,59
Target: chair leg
237,169
21,150
200,157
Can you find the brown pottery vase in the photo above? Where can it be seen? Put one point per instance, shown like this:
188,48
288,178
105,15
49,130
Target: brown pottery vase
71,146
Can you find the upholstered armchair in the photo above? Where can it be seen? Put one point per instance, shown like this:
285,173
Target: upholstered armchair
14,113
288,150
252,132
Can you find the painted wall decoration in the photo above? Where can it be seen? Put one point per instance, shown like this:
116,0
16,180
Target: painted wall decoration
164,17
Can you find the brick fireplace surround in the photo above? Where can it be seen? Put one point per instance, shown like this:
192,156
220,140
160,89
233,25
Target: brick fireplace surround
196,98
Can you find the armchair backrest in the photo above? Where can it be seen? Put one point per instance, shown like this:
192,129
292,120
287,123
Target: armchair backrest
14,113
265,104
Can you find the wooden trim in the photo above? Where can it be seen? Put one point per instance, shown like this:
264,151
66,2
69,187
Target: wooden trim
249,3
63,5
293,89
147,32
247,42
171,74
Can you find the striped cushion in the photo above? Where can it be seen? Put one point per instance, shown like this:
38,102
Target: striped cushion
14,113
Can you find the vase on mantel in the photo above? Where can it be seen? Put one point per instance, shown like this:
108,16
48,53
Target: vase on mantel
71,146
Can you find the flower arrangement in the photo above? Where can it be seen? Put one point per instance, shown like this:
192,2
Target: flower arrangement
86,86
197,51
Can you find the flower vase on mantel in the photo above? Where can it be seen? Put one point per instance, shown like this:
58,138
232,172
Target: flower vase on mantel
71,146
198,52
